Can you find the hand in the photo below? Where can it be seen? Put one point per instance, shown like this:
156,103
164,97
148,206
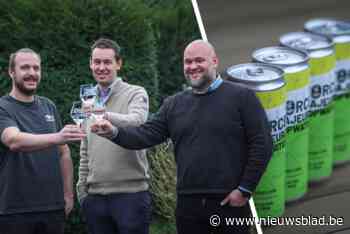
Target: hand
235,198
69,203
103,128
70,133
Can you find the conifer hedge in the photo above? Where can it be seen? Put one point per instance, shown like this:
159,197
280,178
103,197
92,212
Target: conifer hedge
152,37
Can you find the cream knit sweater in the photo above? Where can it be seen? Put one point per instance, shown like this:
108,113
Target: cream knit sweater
105,167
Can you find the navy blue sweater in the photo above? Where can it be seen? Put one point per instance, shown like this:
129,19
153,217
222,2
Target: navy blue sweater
221,139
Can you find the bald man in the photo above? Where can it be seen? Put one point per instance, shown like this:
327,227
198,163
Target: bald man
221,139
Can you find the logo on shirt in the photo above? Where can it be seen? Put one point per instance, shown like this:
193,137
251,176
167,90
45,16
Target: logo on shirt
49,118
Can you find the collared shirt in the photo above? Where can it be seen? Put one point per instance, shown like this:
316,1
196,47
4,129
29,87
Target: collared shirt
213,86
104,94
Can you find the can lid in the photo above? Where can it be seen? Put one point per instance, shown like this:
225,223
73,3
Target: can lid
306,41
258,76
342,39
282,56
328,27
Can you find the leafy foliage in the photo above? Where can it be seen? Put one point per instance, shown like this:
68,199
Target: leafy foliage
175,26
152,35
163,180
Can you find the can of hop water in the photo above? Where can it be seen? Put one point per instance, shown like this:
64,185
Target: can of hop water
321,118
297,77
339,32
269,86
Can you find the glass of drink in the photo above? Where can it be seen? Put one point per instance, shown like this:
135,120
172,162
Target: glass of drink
77,113
88,94
98,110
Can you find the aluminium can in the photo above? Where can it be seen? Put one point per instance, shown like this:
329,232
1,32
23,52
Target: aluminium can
269,86
321,118
297,77
339,32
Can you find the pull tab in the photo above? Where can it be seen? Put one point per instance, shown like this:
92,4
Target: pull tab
255,71
302,42
276,57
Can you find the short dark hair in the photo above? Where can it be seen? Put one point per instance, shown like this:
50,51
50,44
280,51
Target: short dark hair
104,43
12,61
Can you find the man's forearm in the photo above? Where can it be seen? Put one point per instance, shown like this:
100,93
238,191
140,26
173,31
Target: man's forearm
123,120
151,133
259,141
142,137
259,154
66,170
20,141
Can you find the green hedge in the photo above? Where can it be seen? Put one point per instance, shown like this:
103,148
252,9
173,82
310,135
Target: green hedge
152,37
62,32
175,26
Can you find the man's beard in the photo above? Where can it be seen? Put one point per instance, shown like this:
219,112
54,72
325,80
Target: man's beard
199,84
105,82
25,91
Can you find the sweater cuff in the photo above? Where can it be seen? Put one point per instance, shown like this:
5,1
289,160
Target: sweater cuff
244,189
114,135
115,132
81,192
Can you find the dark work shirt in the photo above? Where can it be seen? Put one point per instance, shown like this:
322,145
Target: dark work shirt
30,181
221,138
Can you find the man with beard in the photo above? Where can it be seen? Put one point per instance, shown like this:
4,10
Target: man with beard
35,166
221,139
113,181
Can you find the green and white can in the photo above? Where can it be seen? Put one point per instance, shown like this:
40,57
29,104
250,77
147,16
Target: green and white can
321,118
339,32
269,86
297,77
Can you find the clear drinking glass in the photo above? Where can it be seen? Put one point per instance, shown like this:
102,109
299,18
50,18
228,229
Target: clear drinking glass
88,94
98,110
77,113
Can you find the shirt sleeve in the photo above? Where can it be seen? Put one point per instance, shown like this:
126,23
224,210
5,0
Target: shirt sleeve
151,133
137,111
259,140
56,114
6,120
58,119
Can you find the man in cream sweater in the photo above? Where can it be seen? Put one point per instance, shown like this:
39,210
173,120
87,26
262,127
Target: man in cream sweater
113,181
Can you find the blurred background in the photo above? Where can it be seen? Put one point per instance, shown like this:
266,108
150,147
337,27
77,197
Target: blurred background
152,35
236,29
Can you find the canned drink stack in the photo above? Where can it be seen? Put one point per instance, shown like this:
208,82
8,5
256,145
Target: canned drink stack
297,75
269,86
339,32
321,118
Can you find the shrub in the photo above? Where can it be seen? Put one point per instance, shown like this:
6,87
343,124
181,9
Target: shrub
175,26
163,180
152,38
